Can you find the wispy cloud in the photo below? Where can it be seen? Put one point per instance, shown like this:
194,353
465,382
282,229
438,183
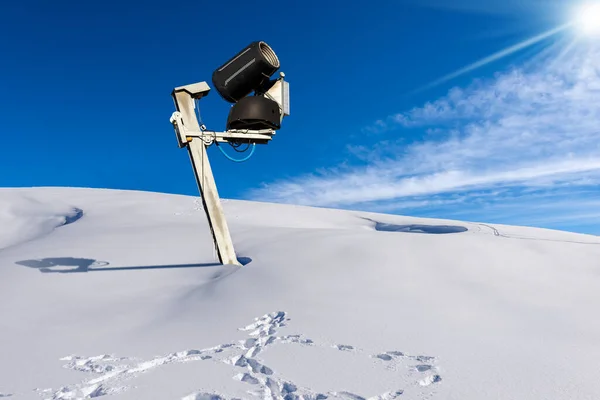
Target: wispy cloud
533,130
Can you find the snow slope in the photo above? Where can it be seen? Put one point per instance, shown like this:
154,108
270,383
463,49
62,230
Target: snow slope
117,294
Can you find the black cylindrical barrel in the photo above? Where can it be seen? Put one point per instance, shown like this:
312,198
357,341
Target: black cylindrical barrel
245,72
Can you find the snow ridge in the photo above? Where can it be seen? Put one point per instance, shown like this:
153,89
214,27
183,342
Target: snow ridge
24,218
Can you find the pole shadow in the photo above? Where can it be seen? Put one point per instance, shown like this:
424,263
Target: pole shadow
69,265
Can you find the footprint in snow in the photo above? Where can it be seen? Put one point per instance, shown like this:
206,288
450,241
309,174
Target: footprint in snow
423,368
428,380
203,396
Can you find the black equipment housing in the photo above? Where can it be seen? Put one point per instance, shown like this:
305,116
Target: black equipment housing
254,113
247,71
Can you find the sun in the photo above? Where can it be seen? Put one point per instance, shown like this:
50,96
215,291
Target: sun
588,19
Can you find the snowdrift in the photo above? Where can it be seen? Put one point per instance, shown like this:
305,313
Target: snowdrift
118,294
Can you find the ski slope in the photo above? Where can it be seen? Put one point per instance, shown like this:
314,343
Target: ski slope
116,294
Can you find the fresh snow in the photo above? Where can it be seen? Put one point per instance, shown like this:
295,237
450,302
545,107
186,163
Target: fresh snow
330,304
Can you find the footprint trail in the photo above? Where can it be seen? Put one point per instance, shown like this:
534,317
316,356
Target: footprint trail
110,373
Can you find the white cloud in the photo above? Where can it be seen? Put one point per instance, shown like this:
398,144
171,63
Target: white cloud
536,127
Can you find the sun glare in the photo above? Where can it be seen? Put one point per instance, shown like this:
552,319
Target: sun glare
588,19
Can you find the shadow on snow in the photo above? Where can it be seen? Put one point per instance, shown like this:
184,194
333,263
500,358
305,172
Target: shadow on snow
418,228
73,265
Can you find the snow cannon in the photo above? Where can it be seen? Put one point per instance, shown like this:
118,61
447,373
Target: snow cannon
259,105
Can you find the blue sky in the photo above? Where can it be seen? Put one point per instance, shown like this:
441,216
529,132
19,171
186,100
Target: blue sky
86,102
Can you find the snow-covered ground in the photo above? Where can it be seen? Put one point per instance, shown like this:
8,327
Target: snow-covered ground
117,294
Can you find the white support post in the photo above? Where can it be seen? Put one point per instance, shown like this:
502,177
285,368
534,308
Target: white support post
204,176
